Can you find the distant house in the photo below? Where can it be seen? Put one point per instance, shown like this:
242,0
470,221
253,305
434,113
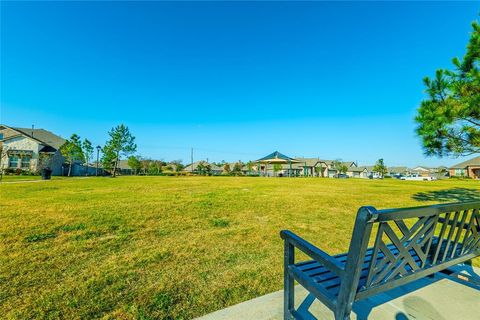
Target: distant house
329,170
193,168
24,148
357,172
306,167
372,174
469,168
250,171
311,167
424,171
123,167
395,171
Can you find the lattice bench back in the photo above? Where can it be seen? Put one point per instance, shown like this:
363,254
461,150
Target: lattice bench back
424,239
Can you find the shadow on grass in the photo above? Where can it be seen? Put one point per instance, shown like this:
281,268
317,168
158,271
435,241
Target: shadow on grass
449,195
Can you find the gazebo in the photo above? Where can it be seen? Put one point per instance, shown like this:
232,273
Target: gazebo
276,158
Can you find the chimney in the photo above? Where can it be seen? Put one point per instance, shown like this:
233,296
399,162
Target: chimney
33,126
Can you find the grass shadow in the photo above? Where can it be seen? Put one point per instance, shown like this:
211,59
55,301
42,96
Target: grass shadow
448,195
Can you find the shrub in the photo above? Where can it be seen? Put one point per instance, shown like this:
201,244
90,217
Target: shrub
460,177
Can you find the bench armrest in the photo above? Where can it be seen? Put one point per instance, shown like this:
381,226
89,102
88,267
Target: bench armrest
315,253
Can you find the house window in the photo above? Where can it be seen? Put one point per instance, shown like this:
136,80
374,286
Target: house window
1,136
459,172
26,161
13,161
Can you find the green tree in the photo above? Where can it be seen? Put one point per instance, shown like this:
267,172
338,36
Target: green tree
276,168
237,168
108,158
339,166
72,151
3,157
318,170
87,150
226,168
380,167
178,165
204,168
135,163
154,167
250,166
449,119
121,143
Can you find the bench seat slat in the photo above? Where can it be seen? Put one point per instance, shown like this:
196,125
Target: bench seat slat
331,281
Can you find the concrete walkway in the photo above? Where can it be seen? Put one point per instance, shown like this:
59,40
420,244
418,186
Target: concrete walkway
439,298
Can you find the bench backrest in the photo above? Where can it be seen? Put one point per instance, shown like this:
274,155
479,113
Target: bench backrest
410,244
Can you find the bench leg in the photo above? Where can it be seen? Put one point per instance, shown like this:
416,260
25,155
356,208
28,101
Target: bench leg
343,314
288,290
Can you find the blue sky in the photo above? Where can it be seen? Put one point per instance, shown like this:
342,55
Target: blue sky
233,80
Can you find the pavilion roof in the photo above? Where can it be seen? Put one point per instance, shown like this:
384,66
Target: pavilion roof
277,157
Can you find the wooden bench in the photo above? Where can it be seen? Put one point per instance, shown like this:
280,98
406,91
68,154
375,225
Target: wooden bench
408,244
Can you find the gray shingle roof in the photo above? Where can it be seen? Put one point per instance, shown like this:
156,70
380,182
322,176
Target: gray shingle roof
195,165
397,169
356,169
472,162
43,136
310,162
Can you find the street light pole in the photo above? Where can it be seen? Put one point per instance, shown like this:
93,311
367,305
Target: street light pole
98,152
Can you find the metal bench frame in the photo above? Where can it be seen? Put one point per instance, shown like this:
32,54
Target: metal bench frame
442,236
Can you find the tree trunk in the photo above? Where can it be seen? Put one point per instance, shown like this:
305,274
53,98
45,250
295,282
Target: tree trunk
115,166
69,169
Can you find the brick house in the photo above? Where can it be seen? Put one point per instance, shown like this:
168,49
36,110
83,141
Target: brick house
469,168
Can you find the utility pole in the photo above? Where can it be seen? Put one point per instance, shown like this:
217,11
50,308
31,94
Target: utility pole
98,153
191,158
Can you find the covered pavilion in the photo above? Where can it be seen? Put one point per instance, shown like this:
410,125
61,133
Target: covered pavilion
275,158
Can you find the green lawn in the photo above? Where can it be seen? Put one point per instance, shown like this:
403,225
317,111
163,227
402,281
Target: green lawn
173,247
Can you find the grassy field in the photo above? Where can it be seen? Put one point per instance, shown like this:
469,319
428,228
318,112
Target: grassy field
173,247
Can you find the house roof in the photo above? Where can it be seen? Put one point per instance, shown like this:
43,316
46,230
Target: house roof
397,169
472,162
309,162
123,165
422,168
356,169
193,166
346,163
43,136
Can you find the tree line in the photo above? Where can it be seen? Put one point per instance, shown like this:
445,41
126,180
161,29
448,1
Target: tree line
121,142
146,166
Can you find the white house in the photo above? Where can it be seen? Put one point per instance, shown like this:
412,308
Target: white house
28,149
357,172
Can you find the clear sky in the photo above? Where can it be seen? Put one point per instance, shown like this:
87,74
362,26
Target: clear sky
233,80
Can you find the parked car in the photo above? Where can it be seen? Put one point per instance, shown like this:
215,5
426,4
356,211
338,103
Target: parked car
341,176
417,177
